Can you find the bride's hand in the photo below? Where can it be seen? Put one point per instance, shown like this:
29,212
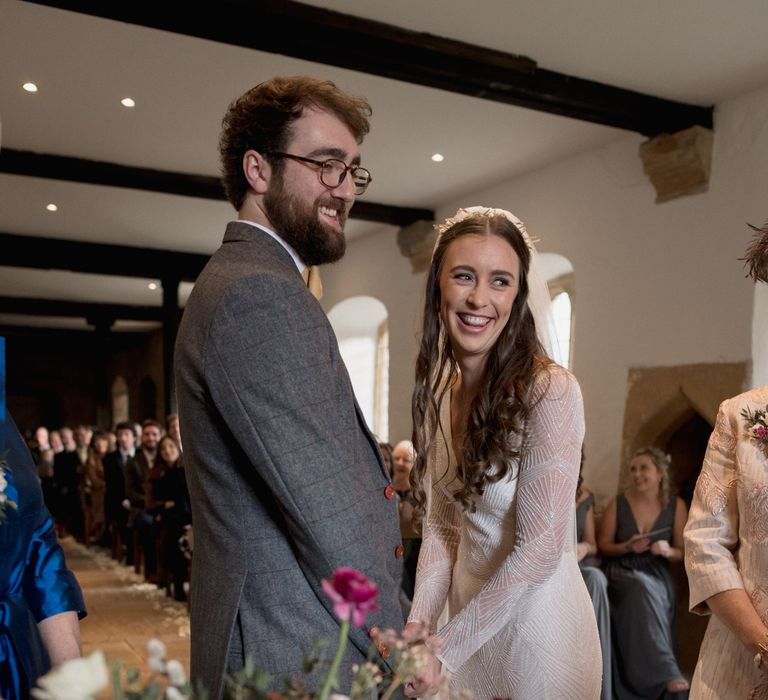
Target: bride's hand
428,681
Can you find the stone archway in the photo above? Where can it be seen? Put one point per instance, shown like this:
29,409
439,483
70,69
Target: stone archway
661,399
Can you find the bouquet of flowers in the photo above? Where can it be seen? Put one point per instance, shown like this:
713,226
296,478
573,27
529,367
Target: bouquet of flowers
353,596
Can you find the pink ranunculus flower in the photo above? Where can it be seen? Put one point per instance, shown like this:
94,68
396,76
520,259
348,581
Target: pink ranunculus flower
760,433
353,595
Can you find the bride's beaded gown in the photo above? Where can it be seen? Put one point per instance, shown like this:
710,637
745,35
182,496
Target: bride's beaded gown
520,621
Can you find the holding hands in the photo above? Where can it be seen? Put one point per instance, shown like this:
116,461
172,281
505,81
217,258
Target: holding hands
427,680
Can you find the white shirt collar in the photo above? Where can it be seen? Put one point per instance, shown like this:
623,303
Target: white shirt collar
299,262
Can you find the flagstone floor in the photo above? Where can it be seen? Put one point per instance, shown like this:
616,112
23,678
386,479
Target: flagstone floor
124,612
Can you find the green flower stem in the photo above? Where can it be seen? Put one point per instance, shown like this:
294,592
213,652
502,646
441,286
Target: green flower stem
393,686
330,679
117,691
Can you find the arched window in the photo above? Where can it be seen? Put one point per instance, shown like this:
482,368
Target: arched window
561,319
360,324
558,272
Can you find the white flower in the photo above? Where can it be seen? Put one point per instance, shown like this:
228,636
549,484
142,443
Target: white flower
156,649
176,673
174,694
78,679
3,480
156,664
337,696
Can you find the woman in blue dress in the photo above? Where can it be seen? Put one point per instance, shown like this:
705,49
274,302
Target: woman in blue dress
40,600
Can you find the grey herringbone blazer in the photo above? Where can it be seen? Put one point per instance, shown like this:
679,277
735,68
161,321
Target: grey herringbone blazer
285,477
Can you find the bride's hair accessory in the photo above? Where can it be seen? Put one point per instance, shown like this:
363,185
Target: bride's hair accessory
539,300
487,213
756,257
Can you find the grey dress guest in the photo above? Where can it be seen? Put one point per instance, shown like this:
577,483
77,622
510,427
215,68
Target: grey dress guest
597,585
642,594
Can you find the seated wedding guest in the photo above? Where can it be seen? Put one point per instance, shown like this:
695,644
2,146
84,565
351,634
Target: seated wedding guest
172,428
115,512
726,541
40,600
594,578
54,438
66,472
137,472
47,482
82,435
170,501
641,532
93,487
386,454
41,442
402,461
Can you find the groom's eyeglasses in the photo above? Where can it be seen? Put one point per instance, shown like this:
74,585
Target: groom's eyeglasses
333,171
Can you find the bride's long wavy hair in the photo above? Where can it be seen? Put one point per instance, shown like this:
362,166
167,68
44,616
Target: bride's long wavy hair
495,430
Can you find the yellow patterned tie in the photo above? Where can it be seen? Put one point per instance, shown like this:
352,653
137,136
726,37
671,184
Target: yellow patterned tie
311,276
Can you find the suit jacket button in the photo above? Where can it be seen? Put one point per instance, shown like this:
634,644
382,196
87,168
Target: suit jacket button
399,551
389,492
384,651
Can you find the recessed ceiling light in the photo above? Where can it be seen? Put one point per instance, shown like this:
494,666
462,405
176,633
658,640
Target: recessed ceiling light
51,207
127,102
152,286
30,87
438,157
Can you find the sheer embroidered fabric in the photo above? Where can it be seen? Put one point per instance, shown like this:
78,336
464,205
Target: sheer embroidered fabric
520,621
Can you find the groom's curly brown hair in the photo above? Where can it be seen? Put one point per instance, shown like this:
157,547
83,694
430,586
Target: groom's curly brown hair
262,119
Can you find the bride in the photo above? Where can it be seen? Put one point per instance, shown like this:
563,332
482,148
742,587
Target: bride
498,433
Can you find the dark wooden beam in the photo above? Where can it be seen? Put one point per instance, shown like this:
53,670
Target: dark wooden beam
324,36
27,306
98,258
94,172
97,172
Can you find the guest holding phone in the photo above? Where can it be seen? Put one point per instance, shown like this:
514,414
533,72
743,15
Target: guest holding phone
640,533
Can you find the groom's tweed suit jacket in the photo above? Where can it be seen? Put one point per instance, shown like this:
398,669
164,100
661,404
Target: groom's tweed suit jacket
286,480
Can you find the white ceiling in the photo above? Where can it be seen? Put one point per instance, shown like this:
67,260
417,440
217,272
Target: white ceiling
700,51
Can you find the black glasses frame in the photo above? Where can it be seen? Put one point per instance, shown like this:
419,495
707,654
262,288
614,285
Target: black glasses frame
360,175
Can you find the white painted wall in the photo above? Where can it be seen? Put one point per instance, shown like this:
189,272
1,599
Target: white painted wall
760,337
656,285
373,266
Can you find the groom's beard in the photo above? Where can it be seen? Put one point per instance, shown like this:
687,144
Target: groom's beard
299,225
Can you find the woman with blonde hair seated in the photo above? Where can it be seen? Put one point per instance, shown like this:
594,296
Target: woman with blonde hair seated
640,533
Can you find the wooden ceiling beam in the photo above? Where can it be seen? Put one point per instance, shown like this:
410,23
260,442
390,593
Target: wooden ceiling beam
354,43
30,306
42,253
93,172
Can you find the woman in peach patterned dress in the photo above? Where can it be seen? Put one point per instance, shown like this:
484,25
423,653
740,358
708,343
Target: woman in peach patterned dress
498,433
726,542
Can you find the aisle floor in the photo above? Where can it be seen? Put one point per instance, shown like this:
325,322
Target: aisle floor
124,612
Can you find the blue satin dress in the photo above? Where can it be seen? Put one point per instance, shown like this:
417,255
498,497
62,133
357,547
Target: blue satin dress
35,582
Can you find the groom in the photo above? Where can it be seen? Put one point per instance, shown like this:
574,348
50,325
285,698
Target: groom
285,478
